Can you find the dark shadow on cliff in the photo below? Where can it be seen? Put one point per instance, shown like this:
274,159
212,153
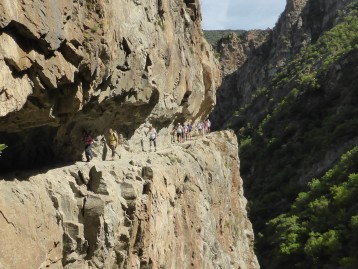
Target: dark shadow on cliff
232,96
28,150
25,174
48,147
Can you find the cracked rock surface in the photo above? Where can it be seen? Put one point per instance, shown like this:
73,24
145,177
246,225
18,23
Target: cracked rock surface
68,66
179,207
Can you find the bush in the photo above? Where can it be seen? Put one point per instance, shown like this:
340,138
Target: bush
2,147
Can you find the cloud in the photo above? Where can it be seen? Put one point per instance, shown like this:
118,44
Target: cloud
241,14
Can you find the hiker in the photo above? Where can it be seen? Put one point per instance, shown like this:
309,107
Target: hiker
88,140
186,131
208,125
179,131
112,141
200,127
152,137
190,127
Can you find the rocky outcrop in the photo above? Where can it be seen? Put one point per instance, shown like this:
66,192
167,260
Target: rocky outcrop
234,50
72,65
182,207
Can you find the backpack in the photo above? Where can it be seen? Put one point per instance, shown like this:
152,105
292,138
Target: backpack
179,129
153,134
113,137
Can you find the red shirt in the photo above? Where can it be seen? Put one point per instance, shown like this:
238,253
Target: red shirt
88,140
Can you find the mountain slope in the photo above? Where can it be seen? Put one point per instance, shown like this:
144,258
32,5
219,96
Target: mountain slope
293,106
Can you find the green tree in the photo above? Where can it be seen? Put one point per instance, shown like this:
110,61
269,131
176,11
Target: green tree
2,147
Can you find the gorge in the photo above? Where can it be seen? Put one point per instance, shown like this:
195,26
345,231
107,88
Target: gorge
283,106
290,95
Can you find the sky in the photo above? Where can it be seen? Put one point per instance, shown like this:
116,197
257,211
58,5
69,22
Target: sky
240,14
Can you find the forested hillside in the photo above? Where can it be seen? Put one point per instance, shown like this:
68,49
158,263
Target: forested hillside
298,137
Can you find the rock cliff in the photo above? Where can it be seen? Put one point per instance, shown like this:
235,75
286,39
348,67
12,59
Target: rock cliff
235,49
73,65
68,66
181,207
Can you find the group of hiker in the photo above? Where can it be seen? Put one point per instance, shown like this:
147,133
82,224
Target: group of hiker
180,133
183,132
111,139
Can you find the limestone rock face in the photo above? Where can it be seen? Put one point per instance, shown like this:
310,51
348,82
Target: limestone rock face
67,65
182,207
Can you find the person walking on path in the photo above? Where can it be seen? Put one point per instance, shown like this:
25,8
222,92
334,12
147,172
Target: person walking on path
190,127
88,140
185,132
200,128
207,125
179,131
152,137
112,141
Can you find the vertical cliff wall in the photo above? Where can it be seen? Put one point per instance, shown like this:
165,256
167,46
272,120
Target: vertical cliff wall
68,66
234,50
182,207
73,65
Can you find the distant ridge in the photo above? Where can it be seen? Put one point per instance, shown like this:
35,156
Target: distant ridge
213,36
